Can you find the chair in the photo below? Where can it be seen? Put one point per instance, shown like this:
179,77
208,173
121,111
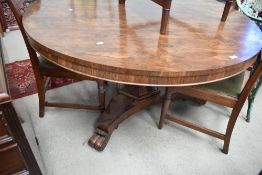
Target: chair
253,10
166,5
42,67
226,92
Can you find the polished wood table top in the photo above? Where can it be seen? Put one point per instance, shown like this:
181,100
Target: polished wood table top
103,39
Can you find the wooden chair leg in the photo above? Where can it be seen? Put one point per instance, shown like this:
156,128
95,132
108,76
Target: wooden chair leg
230,127
41,95
226,10
232,121
238,106
122,1
235,112
165,15
101,94
164,20
165,107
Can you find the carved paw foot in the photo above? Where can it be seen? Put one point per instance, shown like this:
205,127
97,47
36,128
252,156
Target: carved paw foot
99,140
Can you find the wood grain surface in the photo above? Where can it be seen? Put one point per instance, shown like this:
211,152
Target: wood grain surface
105,40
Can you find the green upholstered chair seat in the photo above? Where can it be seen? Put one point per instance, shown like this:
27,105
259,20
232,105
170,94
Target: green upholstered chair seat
230,86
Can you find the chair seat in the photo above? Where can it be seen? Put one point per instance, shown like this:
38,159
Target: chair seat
231,86
50,69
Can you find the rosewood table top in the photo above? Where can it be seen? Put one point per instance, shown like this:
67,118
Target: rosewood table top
103,39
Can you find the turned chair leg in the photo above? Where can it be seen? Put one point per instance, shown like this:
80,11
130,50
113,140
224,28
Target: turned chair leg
101,94
226,10
164,108
165,15
164,20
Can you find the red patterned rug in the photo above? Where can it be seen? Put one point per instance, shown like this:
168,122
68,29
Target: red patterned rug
21,79
9,17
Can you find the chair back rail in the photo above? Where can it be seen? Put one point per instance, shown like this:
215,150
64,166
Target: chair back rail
32,54
18,16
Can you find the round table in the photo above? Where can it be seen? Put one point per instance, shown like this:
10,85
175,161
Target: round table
122,44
